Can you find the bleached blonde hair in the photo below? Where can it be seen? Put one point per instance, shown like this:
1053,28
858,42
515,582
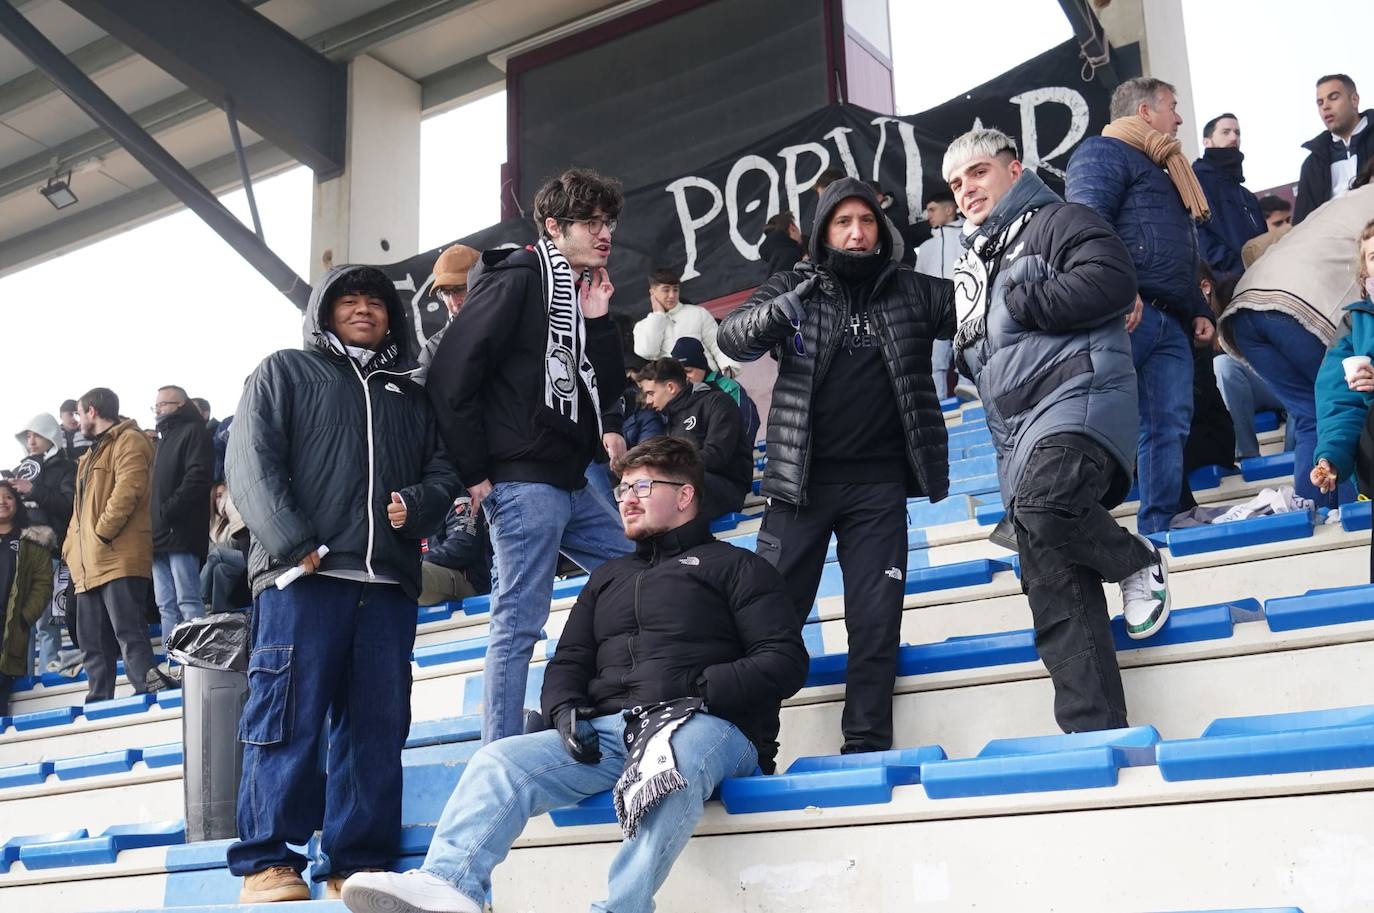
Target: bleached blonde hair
984,141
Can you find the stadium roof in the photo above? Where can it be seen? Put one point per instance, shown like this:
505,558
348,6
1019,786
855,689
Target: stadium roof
455,49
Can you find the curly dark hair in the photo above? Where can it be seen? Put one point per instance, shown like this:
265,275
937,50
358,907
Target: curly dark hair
574,195
671,457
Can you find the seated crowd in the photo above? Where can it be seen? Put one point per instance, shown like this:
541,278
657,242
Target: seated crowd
1103,351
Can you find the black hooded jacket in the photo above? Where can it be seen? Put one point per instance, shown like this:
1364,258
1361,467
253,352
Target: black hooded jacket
1314,180
320,443
710,419
908,311
52,496
684,616
487,382
183,467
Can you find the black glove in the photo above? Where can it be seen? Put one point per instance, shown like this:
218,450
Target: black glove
793,303
579,738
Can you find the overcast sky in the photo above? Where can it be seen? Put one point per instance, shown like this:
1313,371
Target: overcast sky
171,303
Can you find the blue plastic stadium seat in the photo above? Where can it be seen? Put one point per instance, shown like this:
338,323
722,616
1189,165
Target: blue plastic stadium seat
757,486
25,774
57,679
1185,626
440,732
562,589
1266,421
169,699
949,404
95,765
1315,608
9,850
959,574
1272,744
104,848
1205,477
829,781
989,514
440,611
454,651
1355,516
597,809
120,706
1081,760
5,723
979,485
39,719
1241,533
971,652
973,467
728,522
1273,466
973,413
169,755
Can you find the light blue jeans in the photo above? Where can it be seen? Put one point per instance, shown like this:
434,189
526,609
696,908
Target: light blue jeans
508,782
1245,393
941,358
530,524
176,589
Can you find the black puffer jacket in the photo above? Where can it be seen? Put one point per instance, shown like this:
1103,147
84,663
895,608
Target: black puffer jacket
54,492
320,443
710,419
182,469
909,309
684,616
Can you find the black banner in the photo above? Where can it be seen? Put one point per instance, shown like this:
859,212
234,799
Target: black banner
709,223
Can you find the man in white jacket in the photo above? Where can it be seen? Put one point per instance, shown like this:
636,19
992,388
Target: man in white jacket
936,257
669,320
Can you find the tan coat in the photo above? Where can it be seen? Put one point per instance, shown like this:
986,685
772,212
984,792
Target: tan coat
111,534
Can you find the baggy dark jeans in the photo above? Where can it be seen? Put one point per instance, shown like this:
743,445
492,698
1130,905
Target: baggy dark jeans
110,620
330,660
1069,544
869,522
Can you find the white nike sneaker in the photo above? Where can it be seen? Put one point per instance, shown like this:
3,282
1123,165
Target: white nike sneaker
1145,596
415,891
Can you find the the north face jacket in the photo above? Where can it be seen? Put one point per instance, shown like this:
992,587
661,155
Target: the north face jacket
910,310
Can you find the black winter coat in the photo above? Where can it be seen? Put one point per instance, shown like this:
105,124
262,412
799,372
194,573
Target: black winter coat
779,252
487,382
1314,180
710,419
183,467
909,310
684,616
52,497
319,445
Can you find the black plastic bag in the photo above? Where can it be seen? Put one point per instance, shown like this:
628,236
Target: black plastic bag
213,642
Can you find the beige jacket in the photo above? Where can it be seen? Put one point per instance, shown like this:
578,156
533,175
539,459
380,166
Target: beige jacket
111,534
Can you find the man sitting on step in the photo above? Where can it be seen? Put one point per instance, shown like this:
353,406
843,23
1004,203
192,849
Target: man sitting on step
688,646
1042,295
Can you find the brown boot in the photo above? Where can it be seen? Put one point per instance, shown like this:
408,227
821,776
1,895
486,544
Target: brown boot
273,885
333,885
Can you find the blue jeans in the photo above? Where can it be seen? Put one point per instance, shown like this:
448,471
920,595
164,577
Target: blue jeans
1287,356
1245,393
530,524
1163,357
509,782
333,650
941,358
176,589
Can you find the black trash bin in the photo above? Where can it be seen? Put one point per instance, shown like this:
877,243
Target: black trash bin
214,653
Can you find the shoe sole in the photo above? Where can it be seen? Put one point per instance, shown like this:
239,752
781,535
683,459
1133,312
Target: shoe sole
362,899
282,895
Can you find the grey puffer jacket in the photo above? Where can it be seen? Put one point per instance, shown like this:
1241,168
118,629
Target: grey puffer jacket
320,442
1056,356
909,309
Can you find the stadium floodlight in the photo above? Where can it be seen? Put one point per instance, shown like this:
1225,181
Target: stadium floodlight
59,192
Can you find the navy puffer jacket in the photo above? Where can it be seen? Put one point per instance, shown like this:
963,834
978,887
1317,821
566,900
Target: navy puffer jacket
1136,197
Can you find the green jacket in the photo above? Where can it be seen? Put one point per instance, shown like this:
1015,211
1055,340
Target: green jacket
29,596
1341,412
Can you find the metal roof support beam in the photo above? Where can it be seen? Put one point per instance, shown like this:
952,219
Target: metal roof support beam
102,109
291,95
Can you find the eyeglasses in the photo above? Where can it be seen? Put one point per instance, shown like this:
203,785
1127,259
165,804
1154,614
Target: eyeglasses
157,406
595,225
642,488
450,290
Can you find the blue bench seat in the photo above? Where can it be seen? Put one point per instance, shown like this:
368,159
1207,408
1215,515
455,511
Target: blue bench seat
1272,744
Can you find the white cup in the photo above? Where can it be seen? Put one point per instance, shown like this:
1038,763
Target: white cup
1353,364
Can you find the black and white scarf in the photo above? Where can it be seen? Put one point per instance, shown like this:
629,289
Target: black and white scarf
650,768
973,280
565,357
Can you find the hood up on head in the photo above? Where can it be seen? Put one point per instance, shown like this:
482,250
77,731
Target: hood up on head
43,425
315,322
838,192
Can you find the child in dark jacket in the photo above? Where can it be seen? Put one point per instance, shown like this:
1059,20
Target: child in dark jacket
1345,440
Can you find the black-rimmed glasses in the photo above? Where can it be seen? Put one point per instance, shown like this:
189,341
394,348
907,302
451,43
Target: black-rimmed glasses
595,225
641,487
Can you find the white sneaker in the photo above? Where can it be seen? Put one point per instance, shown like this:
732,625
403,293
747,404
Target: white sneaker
1145,596
415,891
